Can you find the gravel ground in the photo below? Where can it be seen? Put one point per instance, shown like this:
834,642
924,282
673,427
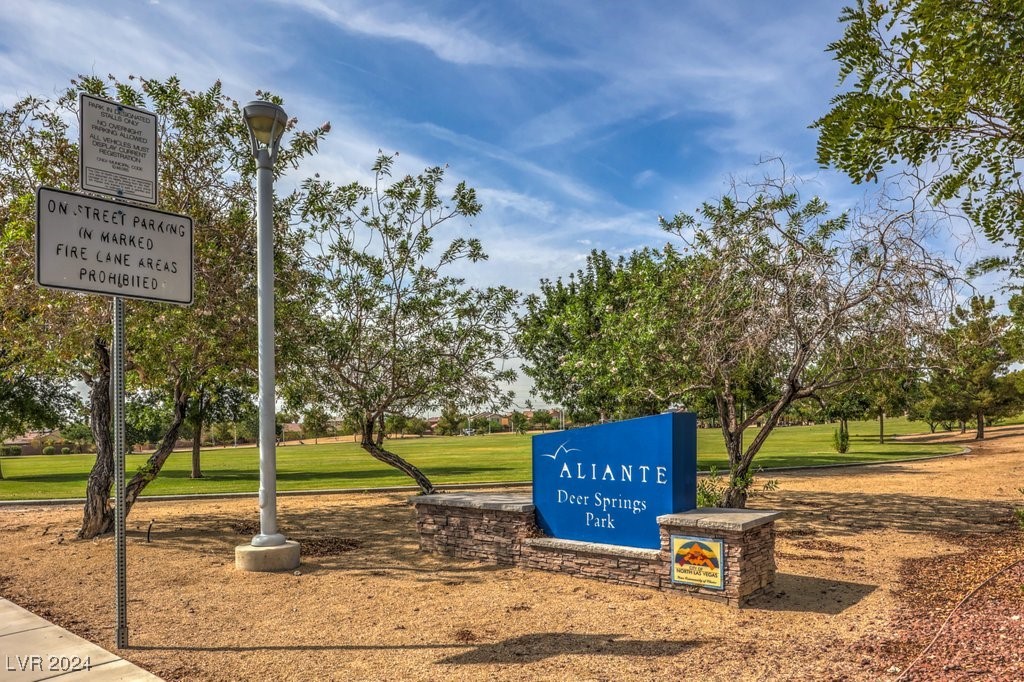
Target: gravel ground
872,561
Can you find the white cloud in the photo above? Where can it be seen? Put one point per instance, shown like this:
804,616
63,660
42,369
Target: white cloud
450,41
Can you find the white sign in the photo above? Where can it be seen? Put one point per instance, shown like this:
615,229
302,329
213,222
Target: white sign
118,150
105,247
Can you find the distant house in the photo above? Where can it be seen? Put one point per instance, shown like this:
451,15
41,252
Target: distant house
502,419
291,431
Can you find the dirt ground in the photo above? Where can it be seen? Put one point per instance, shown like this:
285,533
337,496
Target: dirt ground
871,561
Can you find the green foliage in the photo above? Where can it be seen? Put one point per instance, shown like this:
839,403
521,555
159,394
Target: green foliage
315,422
49,450
416,426
207,172
938,84
10,450
572,356
65,451
518,422
771,300
393,330
451,422
972,356
30,401
841,441
711,489
77,433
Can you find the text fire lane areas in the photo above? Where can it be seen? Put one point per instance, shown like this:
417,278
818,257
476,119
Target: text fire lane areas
88,244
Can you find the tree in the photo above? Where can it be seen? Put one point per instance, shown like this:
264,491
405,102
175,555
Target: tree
781,301
31,402
77,433
235,404
517,422
973,356
396,424
771,301
417,426
843,404
397,332
451,422
315,423
938,84
206,171
566,319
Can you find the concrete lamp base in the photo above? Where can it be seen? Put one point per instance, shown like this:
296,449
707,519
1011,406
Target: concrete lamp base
278,558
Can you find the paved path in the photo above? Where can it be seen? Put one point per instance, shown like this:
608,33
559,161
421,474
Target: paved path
32,648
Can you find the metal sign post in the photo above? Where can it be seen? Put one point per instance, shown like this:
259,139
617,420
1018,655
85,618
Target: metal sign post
99,246
120,559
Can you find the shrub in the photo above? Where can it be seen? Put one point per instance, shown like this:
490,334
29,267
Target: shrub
841,441
711,489
65,451
10,450
1019,515
49,450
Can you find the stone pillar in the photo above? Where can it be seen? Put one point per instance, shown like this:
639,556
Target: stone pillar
480,526
748,537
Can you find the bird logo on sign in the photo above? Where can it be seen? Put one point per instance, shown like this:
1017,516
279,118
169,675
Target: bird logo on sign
561,451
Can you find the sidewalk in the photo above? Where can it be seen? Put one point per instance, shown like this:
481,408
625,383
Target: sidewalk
32,648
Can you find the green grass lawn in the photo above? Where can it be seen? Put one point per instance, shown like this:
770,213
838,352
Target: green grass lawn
461,459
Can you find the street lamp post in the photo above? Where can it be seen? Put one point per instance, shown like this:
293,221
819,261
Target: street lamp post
269,550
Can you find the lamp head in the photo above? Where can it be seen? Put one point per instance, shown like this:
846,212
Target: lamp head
266,122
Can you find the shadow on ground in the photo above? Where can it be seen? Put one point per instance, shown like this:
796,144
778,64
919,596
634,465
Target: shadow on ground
523,649
533,648
378,540
802,594
842,514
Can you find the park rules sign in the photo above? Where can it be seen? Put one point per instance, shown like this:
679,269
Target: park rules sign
107,247
610,483
118,150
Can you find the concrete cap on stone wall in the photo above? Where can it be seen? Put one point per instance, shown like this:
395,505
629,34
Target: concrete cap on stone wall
716,518
510,502
581,547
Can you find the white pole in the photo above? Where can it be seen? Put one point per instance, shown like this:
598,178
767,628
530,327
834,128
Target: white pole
268,537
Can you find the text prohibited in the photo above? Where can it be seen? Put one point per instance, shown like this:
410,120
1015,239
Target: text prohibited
105,247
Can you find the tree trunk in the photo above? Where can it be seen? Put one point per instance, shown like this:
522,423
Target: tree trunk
197,436
981,427
844,426
881,426
735,498
98,515
156,461
963,426
372,446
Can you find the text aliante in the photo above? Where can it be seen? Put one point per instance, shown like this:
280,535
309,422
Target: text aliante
624,473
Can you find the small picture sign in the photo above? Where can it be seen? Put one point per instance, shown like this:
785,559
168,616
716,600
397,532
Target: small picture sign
698,561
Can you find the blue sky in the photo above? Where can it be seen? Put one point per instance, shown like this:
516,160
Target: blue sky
579,122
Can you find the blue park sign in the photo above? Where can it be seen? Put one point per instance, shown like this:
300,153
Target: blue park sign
609,483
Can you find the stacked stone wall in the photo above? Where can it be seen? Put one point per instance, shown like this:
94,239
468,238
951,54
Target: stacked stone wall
502,529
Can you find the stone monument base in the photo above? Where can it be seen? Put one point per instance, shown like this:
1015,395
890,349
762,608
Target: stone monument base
501,528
